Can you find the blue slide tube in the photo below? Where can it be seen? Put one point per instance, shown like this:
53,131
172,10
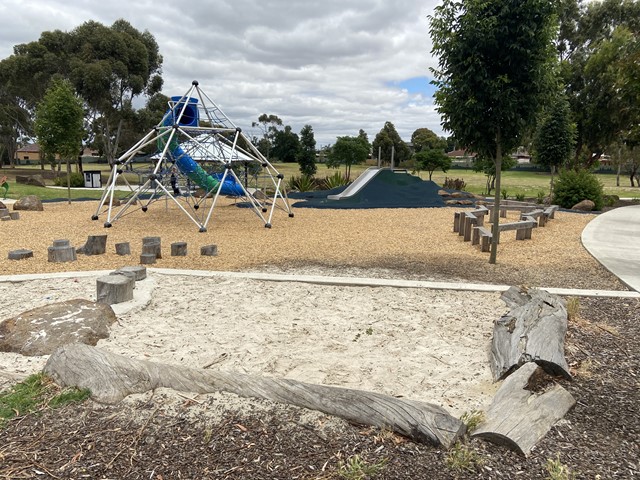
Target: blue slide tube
187,165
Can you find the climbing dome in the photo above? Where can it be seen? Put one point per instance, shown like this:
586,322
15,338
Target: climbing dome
200,155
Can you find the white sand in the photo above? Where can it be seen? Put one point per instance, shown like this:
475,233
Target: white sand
420,344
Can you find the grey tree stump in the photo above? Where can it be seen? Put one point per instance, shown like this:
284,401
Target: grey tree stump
209,250
152,245
147,258
524,409
139,271
123,248
179,249
114,289
20,254
14,215
112,377
532,331
4,212
96,245
61,251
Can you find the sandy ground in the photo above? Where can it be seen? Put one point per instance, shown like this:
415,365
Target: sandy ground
421,344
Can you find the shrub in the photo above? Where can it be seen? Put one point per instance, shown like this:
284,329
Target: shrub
504,194
76,180
302,183
451,184
520,197
574,186
334,181
540,196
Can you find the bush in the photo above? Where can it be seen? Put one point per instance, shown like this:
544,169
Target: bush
574,186
520,197
77,180
451,184
302,183
334,181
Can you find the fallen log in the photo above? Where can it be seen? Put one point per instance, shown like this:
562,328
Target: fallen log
112,377
524,409
532,331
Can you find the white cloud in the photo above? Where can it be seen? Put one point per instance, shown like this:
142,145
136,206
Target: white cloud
329,64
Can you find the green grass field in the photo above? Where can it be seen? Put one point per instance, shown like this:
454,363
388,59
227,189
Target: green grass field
514,182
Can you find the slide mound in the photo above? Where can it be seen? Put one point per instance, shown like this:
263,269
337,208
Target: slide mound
387,189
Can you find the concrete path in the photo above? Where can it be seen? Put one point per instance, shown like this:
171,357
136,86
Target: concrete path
613,238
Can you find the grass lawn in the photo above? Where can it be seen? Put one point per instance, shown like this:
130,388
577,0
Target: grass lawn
514,182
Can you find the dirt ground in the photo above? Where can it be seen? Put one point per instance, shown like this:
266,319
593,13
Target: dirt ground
164,436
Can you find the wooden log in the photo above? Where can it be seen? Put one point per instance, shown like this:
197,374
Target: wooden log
532,331
130,275
524,409
152,245
4,212
6,218
147,258
139,271
61,243
470,221
123,248
111,377
179,249
20,254
456,222
60,254
14,215
96,245
114,289
209,250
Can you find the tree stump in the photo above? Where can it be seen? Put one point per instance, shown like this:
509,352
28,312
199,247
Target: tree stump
130,275
114,289
111,377
152,245
61,251
14,215
6,218
209,250
139,271
147,258
123,248
20,254
533,331
179,249
96,245
4,212
524,409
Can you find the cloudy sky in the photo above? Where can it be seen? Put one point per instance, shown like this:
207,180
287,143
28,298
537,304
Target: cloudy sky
337,65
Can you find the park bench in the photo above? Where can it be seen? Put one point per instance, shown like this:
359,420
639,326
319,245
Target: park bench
482,235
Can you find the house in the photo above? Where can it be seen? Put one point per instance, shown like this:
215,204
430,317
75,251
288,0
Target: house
28,154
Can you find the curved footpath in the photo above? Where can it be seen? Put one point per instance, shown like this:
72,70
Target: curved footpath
613,238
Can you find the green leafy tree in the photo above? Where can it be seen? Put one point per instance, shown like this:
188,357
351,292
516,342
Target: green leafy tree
495,59
554,139
487,166
107,66
425,139
388,141
285,145
348,151
307,152
431,160
598,47
268,125
59,125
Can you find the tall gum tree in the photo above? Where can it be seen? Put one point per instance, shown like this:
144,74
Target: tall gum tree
494,59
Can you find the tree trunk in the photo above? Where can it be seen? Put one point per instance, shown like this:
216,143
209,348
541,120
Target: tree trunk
532,331
524,409
69,180
111,377
96,245
495,228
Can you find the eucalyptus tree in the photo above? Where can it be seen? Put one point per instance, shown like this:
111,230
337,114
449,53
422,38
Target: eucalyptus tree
389,143
494,59
306,155
107,66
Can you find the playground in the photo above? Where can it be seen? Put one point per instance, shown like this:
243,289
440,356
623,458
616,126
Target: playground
338,309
